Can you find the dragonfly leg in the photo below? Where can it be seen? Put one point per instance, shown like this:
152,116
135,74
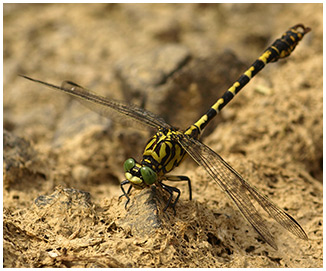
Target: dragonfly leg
124,192
181,179
170,190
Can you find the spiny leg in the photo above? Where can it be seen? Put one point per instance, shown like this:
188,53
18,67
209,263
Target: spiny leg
170,190
181,179
124,192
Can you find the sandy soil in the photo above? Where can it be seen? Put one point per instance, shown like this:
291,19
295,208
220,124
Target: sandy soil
63,162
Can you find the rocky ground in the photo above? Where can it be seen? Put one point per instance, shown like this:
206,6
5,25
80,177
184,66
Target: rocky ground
63,163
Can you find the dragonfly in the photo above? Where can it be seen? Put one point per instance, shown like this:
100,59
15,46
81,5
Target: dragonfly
168,147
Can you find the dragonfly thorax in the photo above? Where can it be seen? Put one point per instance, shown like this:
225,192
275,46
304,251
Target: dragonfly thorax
163,152
139,175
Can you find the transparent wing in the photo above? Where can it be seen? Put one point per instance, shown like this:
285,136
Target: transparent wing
240,191
115,110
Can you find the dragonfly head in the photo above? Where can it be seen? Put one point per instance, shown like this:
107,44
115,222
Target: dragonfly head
138,175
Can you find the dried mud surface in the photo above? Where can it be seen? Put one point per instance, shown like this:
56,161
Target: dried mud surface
63,162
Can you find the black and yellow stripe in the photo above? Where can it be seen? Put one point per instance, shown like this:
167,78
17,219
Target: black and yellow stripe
281,48
162,152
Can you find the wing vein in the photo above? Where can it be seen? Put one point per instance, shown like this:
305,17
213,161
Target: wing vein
240,191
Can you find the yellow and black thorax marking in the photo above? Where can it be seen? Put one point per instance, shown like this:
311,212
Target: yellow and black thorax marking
163,152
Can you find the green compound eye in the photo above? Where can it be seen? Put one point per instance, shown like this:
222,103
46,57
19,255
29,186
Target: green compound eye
149,175
129,164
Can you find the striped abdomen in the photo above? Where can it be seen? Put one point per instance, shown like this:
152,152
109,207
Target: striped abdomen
281,48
